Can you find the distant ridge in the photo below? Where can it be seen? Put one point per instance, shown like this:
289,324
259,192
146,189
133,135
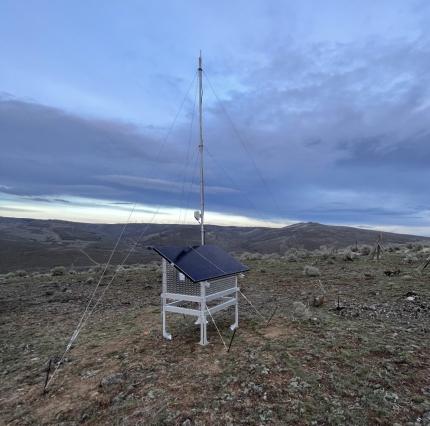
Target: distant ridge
34,243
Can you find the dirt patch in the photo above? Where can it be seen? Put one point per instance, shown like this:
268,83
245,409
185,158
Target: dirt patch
279,331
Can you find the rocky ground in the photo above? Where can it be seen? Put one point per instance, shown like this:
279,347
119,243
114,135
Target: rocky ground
361,356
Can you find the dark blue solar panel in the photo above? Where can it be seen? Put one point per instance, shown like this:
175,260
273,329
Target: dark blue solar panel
200,263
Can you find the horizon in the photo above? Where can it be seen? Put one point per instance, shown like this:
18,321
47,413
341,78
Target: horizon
393,230
330,110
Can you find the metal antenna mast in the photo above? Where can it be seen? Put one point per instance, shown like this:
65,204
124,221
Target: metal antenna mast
202,182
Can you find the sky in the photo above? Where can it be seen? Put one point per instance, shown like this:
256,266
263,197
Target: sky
313,111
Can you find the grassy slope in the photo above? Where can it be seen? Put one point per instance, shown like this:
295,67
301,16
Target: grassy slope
367,364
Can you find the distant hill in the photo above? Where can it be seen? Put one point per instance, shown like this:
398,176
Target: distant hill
34,244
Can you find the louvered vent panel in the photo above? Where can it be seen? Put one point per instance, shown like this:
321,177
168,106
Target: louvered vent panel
175,285
221,284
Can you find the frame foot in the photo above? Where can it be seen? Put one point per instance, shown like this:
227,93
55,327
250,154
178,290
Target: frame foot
234,326
167,336
203,343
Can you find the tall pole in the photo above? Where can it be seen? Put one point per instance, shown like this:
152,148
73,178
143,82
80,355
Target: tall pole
202,182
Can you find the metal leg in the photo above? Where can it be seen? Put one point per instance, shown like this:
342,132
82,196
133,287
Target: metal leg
166,335
203,331
203,322
236,309
236,314
205,328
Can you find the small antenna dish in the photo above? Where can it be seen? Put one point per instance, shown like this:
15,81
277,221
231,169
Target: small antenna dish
197,215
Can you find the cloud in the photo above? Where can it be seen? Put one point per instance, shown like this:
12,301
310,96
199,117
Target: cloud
49,154
162,185
337,117
338,131
16,210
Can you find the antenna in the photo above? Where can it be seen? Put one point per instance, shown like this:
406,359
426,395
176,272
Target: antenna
202,182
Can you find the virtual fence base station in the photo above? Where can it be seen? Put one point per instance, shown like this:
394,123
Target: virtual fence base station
224,292
182,294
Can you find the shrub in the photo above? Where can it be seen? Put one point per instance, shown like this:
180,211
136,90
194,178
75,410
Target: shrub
10,275
311,271
155,267
58,270
365,250
322,252
242,257
348,256
300,311
250,256
418,247
271,257
97,268
302,253
21,273
291,257
410,259
89,280
291,251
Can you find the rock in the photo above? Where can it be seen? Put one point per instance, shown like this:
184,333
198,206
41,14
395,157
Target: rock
84,417
389,273
391,396
297,384
88,374
119,398
426,390
112,380
425,419
318,300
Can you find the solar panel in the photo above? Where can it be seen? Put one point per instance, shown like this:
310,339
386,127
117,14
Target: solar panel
201,263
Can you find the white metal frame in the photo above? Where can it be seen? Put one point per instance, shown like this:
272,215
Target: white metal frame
225,299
